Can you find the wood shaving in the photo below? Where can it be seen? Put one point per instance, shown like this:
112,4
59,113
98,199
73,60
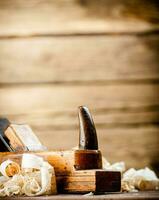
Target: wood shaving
34,179
143,179
134,180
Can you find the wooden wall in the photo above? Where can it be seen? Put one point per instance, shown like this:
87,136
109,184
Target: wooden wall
58,54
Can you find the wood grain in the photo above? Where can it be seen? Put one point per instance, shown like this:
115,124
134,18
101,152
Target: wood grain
83,181
36,17
138,143
80,60
127,111
57,55
104,118
39,98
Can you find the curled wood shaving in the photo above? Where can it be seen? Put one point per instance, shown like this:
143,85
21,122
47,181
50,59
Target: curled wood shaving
34,178
134,180
9,168
143,179
119,166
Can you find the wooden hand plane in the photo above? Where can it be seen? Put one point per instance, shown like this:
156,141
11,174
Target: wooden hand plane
77,171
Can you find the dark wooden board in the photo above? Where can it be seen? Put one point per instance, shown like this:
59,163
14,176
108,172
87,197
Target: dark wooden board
119,196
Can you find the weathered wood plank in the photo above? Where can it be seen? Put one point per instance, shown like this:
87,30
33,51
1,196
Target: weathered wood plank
80,59
68,119
116,107
43,98
76,16
137,146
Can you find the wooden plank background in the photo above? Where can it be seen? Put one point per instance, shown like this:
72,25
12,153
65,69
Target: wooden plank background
58,54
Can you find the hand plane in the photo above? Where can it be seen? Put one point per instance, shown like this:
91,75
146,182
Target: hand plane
77,170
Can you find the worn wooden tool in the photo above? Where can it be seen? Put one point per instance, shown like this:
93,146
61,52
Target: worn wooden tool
77,171
17,138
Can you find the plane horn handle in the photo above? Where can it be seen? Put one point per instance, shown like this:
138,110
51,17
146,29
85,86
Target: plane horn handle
87,136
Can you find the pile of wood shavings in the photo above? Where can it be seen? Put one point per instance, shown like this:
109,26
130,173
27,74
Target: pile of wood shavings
33,177
134,180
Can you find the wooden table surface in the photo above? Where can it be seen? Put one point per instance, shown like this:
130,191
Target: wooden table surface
121,196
